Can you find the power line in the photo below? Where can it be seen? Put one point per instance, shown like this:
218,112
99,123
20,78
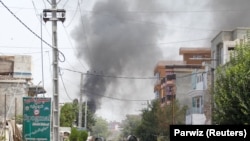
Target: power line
75,11
74,15
114,98
65,87
33,31
73,46
155,11
130,77
84,30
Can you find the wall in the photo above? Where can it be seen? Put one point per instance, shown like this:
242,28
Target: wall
183,85
12,90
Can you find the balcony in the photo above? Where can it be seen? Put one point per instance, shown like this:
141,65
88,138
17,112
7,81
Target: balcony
170,82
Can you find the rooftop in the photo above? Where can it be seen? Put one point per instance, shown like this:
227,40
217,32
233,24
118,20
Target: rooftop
186,50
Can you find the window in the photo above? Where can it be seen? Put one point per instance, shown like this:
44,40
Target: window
197,104
219,55
169,90
197,56
157,95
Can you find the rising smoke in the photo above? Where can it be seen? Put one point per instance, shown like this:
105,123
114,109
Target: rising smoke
116,44
230,14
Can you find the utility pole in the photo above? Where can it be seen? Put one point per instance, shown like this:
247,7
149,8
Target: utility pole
4,125
86,107
80,103
54,19
212,95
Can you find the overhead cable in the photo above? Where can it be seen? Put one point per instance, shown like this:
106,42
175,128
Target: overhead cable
33,31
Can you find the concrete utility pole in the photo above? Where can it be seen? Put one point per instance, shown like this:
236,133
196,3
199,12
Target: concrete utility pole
80,103
86,107
54,19
212,95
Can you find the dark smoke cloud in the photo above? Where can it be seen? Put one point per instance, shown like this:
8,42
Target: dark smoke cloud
229,14
114,41
116,45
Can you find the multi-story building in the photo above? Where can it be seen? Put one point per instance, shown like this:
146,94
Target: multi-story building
15,77
224,42
174,77
222,45
199,111
160,74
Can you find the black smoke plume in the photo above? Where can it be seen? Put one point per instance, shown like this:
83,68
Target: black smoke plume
114,42
120,37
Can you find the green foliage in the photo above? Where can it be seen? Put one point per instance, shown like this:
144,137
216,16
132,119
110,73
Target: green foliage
68,115
19,119
90,118
148,129
82,135
155,121
74,134
2,138
232,97
100,129
78,135
130,124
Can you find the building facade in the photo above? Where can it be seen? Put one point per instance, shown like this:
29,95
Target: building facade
224,42
222,47
173,77
199,112
15,78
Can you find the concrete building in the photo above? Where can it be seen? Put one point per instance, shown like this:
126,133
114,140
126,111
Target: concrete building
166,89
224,42
222,45
160,74
199,112
15,79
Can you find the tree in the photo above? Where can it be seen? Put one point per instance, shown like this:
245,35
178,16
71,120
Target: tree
148,128
232,97
68,115
90,117
82,135
74,134
100,129
167,115
78,135
130,124
156,120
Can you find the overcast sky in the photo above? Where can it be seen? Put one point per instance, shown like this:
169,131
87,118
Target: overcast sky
115,38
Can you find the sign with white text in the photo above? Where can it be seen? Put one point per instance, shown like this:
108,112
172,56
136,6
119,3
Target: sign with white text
36,118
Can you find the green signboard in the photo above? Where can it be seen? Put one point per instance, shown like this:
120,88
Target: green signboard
36,118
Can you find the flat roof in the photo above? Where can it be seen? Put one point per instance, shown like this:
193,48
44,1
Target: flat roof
183,66
187,50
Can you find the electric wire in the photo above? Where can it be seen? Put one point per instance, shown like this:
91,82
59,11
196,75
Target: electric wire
113,98
130,77
165,25
58,1
44,3
73,46
66,3
74,15
49,2
35,34
84,30
64,86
